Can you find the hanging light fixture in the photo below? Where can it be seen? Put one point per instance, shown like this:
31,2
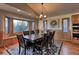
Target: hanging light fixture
43,15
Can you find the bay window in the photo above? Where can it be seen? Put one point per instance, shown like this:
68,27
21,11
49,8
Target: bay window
20,26
6,25
33,25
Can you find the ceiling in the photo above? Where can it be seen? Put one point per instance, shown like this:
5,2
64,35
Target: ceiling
20,9
55,9
34,9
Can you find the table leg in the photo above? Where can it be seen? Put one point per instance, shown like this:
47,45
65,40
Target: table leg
33,47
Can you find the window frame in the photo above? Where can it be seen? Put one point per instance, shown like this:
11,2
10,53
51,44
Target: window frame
22,21
34,25
5,25
67,25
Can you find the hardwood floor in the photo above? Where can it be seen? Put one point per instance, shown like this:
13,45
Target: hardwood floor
8,43
68,48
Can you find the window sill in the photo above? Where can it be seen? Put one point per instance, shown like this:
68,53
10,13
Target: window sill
9,37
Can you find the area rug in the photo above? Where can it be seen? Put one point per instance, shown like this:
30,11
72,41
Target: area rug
15,50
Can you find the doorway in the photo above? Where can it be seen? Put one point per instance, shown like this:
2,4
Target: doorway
65,28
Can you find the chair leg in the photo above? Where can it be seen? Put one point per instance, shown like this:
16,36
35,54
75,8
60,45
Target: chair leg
24,51
19,50
51,43
41,52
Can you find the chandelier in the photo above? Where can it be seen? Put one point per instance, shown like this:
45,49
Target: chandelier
43,12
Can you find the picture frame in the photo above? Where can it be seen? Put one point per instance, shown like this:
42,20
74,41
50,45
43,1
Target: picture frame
55,23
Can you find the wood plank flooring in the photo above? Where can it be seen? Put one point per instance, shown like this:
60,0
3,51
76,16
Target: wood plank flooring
68,47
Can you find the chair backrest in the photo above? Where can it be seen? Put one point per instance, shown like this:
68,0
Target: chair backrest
45,40
53,33
32,32
51,36
26,32
45,36
21,41
37,31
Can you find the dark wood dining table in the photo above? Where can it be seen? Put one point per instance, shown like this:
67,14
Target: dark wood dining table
33,38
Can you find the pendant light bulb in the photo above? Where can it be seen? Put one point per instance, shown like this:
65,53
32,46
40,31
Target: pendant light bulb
41,15
45,16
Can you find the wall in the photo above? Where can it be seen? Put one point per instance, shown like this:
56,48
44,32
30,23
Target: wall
2,24
11,14
59,35
1,30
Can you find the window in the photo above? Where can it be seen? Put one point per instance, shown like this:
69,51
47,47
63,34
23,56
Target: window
20,26
65,25
44,25
38,24
6,24
33,25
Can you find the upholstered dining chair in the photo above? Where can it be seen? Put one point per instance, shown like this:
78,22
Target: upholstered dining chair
51,38
38,46
41,43
23,43
32,32
37,31
26,32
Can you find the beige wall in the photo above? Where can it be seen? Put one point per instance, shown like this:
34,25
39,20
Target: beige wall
1,30
2,24
59,34
10,14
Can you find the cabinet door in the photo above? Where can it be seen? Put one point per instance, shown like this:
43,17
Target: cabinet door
75,19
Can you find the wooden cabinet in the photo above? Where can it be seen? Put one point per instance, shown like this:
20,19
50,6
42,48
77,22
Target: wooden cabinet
75,26
75,19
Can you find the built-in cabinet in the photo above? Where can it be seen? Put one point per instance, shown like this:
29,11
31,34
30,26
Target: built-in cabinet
75,26
75,19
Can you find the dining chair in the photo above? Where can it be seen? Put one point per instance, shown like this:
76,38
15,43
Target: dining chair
51,38
38,47
41,44
55,49
37,31
46,40
26,32
23,43
32,32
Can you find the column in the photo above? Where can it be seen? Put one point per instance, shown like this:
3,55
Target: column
1,31
10,29
30,25
36,24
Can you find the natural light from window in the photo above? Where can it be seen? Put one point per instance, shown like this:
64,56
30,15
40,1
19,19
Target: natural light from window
20,26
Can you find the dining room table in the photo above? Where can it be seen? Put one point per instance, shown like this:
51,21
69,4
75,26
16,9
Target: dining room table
32,38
